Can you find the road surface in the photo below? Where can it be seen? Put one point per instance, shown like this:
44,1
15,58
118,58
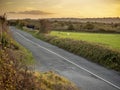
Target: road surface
85,74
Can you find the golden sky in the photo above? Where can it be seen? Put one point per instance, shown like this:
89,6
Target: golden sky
60,8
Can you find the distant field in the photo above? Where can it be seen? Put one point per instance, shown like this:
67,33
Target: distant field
109,40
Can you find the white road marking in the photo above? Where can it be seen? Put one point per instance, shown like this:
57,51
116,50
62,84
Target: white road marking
71,62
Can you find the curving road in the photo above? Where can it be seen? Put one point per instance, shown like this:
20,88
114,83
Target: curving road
85,74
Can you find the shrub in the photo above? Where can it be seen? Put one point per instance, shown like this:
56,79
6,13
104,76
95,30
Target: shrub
44,26
89,26
71,27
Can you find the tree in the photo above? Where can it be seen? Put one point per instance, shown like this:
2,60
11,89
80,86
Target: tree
3,23
45,26
71,27
89,26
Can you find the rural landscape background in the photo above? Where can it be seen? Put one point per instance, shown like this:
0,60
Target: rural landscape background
43,42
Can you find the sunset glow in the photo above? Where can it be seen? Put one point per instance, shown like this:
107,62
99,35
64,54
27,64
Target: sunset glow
60,8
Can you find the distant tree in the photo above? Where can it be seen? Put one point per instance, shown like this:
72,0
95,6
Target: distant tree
20,23
12,22
115,25
80,27
62,24
89,26
45,26
71,27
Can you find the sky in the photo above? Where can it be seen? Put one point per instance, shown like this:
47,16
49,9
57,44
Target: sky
60,8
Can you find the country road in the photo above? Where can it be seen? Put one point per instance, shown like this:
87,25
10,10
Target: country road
85,74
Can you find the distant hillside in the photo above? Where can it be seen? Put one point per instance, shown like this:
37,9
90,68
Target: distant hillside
99,20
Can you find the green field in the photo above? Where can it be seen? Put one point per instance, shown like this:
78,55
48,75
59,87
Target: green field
109,40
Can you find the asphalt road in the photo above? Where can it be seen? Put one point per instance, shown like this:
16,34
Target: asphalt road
85,74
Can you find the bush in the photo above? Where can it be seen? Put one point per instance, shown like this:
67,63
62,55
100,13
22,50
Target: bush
44,26
71,27
89,26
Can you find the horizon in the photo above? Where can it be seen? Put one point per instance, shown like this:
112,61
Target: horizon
60,9
64,18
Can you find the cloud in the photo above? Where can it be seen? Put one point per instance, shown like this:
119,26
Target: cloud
32,12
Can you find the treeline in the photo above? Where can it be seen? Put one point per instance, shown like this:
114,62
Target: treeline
68,25
87,27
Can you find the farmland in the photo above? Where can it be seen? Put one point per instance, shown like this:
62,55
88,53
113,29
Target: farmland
108,40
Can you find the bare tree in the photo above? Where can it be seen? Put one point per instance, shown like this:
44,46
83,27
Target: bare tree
45,26
3,22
